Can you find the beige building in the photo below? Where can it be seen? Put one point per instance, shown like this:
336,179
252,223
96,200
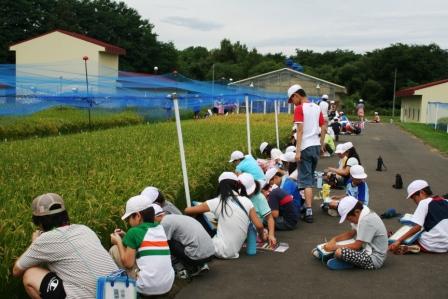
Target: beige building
280,80
424,103
55,60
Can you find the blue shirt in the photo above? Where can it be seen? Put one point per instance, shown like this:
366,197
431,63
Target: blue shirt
250,165
261,205
360,192
291,187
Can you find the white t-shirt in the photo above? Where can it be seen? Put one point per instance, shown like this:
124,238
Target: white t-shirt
311,117
324,108
232,226
436,239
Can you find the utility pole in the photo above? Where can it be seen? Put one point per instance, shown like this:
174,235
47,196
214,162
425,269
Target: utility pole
393,99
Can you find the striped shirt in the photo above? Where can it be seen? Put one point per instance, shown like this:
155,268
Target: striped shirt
75,254
153,258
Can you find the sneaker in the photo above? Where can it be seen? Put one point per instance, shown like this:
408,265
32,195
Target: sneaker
333,213
336,264
324,207
403,249
183,274
308,217
316,253
200,269
326,154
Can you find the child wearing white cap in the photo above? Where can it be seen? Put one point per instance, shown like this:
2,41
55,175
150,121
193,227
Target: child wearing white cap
234,214
431,214
369,247
246,163
348,157
356,187
251,189
144,245
157,197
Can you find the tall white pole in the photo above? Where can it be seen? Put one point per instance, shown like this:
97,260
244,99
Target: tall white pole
289,108
181,149
251,106
264,107
276,123
246,98
395,86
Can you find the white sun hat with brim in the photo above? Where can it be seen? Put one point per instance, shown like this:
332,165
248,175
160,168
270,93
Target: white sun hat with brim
276,153
290,148
151,193
345,206
248,182
263,146
416,186
270,174
136,204
236,155
339,149
227,175
289,157
357,172
352,162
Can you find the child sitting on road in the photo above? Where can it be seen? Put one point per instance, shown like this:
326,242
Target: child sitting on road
190,245
251,189
356,187
369,247
283,210
233,213
431,214
157,197
275,177
145,244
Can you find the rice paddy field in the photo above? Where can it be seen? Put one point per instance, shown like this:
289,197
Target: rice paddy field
96,172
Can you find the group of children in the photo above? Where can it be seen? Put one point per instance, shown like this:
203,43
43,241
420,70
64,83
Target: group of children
64,260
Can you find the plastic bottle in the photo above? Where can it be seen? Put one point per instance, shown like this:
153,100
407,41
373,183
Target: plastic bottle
319,180
251,248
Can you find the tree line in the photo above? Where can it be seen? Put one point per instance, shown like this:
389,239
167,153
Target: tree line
369,76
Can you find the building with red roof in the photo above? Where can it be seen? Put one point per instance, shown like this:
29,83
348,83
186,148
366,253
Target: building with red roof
424,103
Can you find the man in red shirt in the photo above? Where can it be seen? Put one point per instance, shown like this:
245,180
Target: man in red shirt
307,119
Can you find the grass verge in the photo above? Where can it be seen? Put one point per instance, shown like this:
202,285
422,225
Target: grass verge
428,135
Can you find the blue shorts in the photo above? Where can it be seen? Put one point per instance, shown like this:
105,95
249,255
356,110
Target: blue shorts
307,166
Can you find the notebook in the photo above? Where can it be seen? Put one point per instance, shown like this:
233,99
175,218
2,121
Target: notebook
401,231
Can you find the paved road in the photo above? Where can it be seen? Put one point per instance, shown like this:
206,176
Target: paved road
296,274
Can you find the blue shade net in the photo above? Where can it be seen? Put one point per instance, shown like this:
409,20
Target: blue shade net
25,89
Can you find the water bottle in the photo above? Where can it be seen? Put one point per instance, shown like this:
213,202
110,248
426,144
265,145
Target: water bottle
319,180
251,248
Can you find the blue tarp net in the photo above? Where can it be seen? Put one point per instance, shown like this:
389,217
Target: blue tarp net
26,89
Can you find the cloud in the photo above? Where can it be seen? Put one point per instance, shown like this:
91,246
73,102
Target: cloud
192,23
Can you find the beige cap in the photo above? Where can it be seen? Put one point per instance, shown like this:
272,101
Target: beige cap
43,203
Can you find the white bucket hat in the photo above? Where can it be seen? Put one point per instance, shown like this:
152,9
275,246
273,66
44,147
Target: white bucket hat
357,172
248,182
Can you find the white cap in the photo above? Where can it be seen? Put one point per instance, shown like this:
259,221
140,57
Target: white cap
270,174
157,209
263,145
357,172
288,157
345,206
375,113
248,182
352,162
292,90
227,175
325,96
151,193
361,100
340,148
332,102
136,204
236,155
276,153
416,186
290,148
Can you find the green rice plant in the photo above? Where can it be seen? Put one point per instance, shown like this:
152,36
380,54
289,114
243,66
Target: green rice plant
96,172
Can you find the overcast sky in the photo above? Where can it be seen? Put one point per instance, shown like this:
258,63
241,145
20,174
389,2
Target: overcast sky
284,25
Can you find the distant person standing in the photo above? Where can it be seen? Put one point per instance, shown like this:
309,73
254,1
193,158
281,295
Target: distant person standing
323,104
307,118
360,109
